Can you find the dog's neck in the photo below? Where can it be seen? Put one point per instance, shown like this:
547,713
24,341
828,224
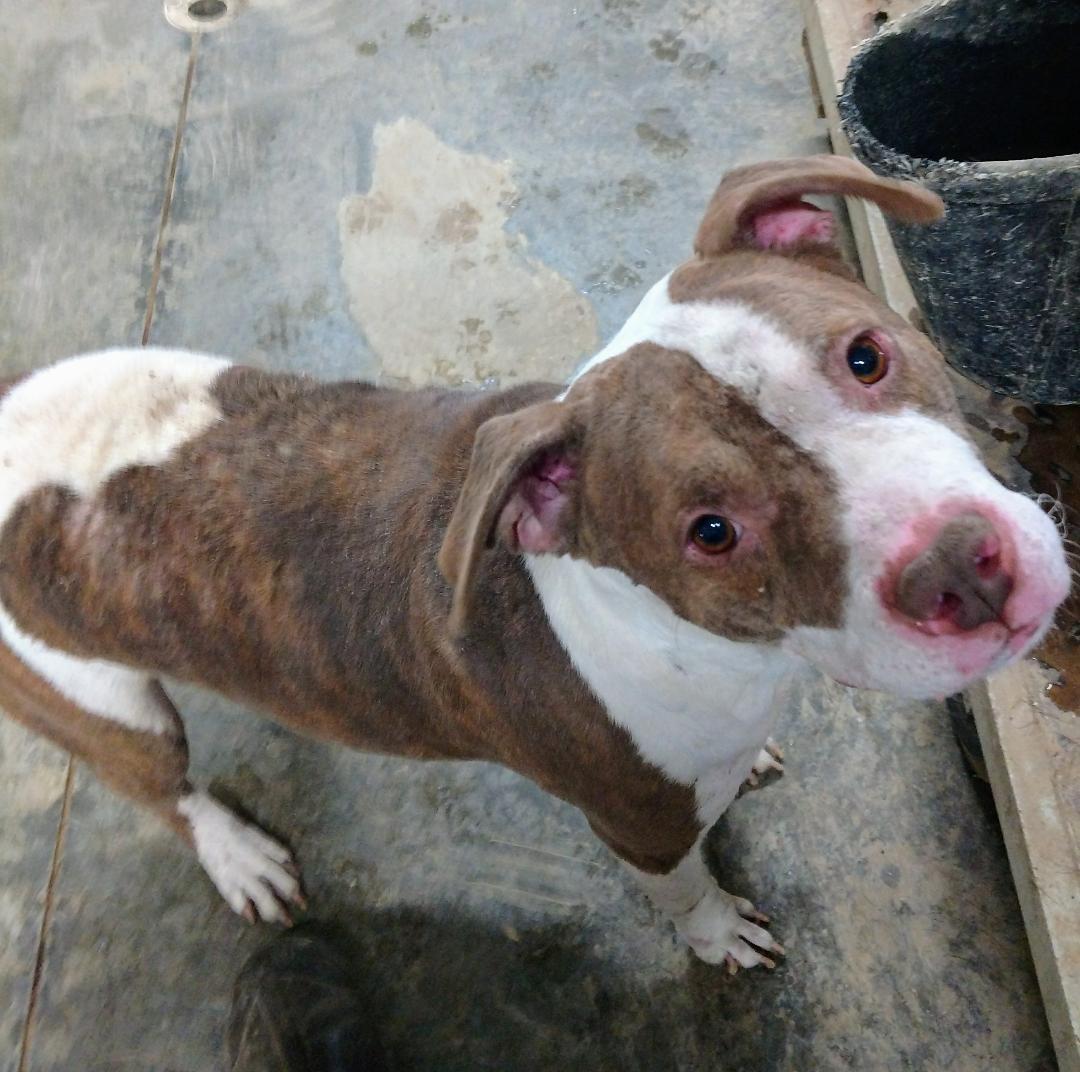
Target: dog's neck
690,699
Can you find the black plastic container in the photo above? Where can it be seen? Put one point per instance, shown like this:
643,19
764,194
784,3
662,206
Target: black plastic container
980,100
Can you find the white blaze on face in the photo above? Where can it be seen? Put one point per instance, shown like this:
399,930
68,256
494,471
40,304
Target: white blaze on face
891,470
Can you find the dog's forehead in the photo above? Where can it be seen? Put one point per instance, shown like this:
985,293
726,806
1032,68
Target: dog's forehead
739,347
766,332
663,402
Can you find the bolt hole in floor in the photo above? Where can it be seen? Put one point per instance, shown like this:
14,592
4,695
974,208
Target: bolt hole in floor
208,10
201,16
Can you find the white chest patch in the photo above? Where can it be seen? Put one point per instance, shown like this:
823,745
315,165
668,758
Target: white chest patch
697,706
104,689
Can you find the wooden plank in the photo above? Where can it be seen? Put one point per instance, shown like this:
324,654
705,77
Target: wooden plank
1032,753
1032,749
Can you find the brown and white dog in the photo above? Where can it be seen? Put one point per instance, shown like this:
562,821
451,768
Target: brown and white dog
603,586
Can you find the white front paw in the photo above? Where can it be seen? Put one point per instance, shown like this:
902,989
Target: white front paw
722,929
253,872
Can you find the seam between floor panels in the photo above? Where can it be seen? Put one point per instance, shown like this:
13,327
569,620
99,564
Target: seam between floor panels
26,1037
46,919
170,189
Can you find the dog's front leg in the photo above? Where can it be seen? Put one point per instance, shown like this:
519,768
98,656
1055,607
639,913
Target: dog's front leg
719,927
660,843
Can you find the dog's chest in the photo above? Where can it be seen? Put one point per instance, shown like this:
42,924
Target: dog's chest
696,705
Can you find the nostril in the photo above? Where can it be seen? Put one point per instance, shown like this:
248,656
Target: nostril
988,559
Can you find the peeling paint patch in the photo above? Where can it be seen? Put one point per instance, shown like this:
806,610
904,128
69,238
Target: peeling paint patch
442,291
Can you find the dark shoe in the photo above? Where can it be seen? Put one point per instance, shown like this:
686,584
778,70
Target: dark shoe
297,1008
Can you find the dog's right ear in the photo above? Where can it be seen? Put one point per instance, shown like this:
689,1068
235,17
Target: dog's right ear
761,206
518,491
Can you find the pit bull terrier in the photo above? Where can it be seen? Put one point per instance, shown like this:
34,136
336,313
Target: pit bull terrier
604,586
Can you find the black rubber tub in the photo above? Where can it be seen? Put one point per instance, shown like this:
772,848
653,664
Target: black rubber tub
980,100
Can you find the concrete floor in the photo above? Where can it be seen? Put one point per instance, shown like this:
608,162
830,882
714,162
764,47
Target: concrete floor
452,191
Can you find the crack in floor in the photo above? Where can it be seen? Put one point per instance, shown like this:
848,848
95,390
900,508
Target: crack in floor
27,1034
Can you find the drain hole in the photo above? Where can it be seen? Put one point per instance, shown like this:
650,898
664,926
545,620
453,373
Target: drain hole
207,10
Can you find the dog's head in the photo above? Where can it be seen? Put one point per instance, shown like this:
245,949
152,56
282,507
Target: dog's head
779,457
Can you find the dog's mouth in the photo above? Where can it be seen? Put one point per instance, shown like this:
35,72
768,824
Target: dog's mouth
973,653
1000,630
996,645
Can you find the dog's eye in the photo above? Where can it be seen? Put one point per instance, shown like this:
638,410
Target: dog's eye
713,534
867,360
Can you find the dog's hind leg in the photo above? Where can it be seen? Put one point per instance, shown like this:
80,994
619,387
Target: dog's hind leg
122,724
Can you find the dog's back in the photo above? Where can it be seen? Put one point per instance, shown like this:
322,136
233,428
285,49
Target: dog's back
251,532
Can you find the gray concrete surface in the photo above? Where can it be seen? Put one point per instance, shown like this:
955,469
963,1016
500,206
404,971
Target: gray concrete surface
452,191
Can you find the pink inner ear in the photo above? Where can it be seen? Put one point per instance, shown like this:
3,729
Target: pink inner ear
531,515
790,223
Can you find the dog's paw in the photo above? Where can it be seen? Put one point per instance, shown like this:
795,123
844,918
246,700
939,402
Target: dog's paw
722,929
770,758
253,872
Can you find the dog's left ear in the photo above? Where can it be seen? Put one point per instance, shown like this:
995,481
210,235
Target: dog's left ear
762,207
518,492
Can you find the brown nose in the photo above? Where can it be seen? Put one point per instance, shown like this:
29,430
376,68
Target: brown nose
958,578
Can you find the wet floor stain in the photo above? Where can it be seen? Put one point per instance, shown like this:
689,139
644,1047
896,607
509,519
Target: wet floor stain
662,132
667,46
420,28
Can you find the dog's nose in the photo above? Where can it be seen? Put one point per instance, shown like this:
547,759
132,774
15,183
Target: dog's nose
958,578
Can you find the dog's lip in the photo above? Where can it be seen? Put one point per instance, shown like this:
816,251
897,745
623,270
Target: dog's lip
1020,635
941,629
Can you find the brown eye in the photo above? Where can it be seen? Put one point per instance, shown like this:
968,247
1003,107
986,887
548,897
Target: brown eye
713,534
867,360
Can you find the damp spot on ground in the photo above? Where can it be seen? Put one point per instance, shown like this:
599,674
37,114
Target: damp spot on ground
458,225
620,13
699,66
612,278
667,47
420,29
663,134
633,191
